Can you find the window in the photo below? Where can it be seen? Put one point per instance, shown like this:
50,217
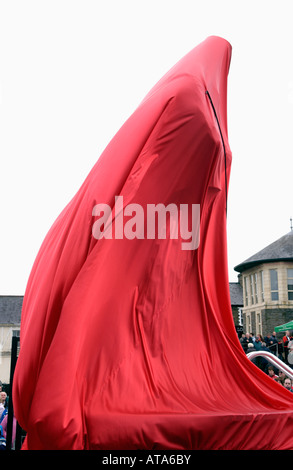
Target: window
258,323
248,323
251,288
255,288
290,283
261,286
240,316
274,284
246,290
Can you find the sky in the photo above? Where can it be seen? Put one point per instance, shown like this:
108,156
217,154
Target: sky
72,72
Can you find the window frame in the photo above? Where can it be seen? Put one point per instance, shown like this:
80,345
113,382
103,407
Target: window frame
262,286
251,277
255,288
290,291
274,292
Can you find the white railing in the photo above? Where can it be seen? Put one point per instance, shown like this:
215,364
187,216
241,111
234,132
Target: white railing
274,360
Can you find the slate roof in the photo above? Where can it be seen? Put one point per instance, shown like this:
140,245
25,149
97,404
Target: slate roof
280,250
11,305
236,294
10,309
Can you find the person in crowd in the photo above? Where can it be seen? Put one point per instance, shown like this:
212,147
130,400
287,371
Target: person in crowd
280,350
247,335
250,347
282,376
286,339
271,372
3,398
279,381
3,406
244,342
267,339
3,430
262,362
288,384
273,343
2,401
290,353
258,342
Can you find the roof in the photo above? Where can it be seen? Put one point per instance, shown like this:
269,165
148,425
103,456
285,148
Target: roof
280,250
10,309
236,294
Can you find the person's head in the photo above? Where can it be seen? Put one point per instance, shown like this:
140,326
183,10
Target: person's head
3,396
287,383
274,333
271,371
287,333
282,374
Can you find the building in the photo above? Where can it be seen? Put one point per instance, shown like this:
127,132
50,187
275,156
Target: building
236,299
10,313
261,300
266,279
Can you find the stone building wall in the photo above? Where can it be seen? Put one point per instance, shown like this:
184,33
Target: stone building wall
261,313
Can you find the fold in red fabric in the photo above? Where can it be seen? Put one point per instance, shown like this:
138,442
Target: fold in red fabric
129,343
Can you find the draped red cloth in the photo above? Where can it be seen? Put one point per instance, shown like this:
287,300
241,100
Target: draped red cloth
130,343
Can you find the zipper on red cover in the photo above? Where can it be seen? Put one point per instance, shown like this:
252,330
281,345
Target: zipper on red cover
223,143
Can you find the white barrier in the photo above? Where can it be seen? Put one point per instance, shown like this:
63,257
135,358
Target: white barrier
274,360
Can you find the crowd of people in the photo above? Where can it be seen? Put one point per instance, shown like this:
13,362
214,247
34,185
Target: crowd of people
4,419
281,347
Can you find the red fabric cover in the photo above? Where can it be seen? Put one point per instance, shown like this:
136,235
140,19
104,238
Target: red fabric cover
130,344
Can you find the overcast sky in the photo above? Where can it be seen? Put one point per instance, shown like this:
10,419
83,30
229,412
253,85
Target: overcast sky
72,72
